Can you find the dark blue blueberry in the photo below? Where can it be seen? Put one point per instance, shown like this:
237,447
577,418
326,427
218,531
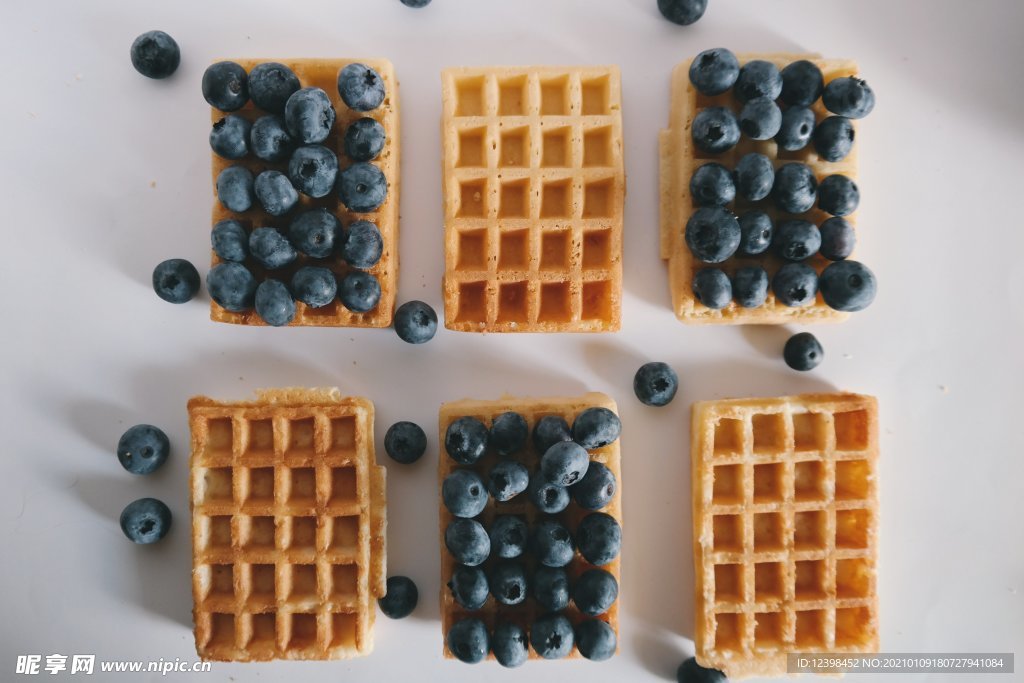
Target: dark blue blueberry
682,12
833,138
400,599
551,588
313,169
467,541
363,245
465,440
405,442
234,188
795,188
175,280
269,139
508,536
230,241
270,248
547,497
712,288
595,591
469,587
692,672
802,83
596,489
551,544
508,435
803,352
596,428
143,448
715,130
309,115
315,233
362,188
755,176
464,493
714,71
849,96
415,322
796,129
416,4
756,232
274,303
276,193
231,286
837,239
359,292
796,240
467,640
507,479
229,137
548,431
314,286
848,286
551,636
655,384
364,139
712,185
509,641
713,234
565,463
145,520
599,538
760,118
750,286
596,640
758,78
226,86
508,582
838,195
795,284
270,86
155,54
360,87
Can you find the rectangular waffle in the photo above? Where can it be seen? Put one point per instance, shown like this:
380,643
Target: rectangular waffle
323,73
288,526
680,158
534,185
785,529
532,409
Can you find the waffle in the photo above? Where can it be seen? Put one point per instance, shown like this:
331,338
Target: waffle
323,73
288,522
680,158
533,185
785,520
532,409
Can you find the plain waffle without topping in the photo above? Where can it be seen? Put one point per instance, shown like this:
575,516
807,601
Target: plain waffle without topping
534,186
785,521
288,526
532,409
323,73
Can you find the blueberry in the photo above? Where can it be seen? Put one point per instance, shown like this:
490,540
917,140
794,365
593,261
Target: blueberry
465,440
715,130
226,86
796,239
175,280
155,54
760,118
509,641
314,286
464,493
758,78
547,497
714,71
507,479
231,286
551,588
595,591
467,541
415,322
796,129
803,351
275,192
359,292
713,234
364,139
269,139
416,4
143,448
552,544
468,586
795,284
795,188
270,248
548,431
756,233
755,176
508,582
229,137
274,303
270,86
362,188
682,12
655,384
400,599
230,241
508,536
360,87
315,233
838,195
712,185
596,640
837,239
833,138
405,442
750,286
848,286
234,188
596,489
599,538
692,672
551,636
145,520
712,288
596,428
802,83
849,96
313,169
363,245
309,115
565,463
467,640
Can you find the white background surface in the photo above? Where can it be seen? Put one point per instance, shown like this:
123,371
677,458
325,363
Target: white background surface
105,173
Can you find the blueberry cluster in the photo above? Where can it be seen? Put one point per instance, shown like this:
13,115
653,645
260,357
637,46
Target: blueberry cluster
142,450
775,105
514,563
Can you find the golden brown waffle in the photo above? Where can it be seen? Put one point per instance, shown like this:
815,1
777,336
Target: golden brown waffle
680,158
288,526
785,521
533,409
323,73
533,185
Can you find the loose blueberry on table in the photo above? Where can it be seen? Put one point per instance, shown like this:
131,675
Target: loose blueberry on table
143,449
155,54
400,599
